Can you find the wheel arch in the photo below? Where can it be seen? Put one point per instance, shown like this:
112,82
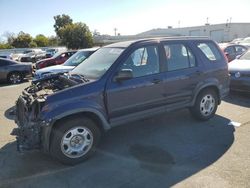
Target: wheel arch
100,121
205,87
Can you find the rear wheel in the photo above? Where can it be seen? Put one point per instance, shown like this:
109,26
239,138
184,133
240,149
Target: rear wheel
15,78
74,140
205,105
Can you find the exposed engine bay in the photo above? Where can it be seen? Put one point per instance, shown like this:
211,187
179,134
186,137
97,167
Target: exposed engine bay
29,105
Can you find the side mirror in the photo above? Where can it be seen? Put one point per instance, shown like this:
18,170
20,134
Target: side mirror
124,74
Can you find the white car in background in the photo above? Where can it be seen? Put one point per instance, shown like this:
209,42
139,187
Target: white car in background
245,42
67,66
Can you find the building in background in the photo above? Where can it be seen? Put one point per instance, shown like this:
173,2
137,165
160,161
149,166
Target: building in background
219,32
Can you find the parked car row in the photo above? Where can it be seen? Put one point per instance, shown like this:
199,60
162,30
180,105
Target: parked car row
69,60
67,66
30,54
242,41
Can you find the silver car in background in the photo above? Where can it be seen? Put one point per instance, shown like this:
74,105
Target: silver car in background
14,72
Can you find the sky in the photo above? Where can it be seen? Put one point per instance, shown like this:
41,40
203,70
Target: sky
128,16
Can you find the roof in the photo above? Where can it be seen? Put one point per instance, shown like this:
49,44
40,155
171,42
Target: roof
128,43
89,49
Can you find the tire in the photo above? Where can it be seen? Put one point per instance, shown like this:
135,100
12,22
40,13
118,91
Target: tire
205,105
74,140
15,78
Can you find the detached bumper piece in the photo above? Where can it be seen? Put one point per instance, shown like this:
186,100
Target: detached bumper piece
28,133
27,138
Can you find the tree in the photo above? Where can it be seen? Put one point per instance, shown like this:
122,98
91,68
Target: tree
32,44
53,41
60,22
76,36
23,40
41,40
9,37
5,45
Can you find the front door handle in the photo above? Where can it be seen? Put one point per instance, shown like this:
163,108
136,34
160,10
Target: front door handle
156,81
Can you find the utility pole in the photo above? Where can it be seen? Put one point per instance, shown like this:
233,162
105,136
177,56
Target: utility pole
115,29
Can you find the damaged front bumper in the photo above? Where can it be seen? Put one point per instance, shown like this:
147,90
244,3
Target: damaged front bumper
29,133
28,137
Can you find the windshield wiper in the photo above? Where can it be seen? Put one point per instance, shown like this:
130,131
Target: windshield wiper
79,76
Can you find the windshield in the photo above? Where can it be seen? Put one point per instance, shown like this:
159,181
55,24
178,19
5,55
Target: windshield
77,58
56,54
27,51
50,50
245,56
98,63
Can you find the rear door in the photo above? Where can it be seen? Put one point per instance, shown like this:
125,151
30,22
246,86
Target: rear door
145,91
182,73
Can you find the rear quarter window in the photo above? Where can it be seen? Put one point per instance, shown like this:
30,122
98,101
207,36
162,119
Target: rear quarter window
210,50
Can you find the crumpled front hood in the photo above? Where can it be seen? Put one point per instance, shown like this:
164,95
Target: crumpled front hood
55,69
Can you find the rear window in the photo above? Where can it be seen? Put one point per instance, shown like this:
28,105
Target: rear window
210,50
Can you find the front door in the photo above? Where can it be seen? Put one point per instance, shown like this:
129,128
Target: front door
142,93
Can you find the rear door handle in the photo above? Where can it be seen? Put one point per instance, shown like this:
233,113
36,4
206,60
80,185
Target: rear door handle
156,81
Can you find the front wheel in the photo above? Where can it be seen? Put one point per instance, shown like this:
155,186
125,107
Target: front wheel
205,105
74,140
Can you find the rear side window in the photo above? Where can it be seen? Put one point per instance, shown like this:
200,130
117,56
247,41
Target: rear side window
178,57
210,50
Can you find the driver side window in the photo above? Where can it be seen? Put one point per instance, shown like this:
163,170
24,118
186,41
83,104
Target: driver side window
143,61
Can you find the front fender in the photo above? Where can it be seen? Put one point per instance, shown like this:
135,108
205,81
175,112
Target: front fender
65,110
60,111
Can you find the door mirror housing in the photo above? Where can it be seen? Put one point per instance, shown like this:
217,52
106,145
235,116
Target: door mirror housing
124,74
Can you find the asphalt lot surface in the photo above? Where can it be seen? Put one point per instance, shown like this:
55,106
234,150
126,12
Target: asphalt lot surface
168,150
